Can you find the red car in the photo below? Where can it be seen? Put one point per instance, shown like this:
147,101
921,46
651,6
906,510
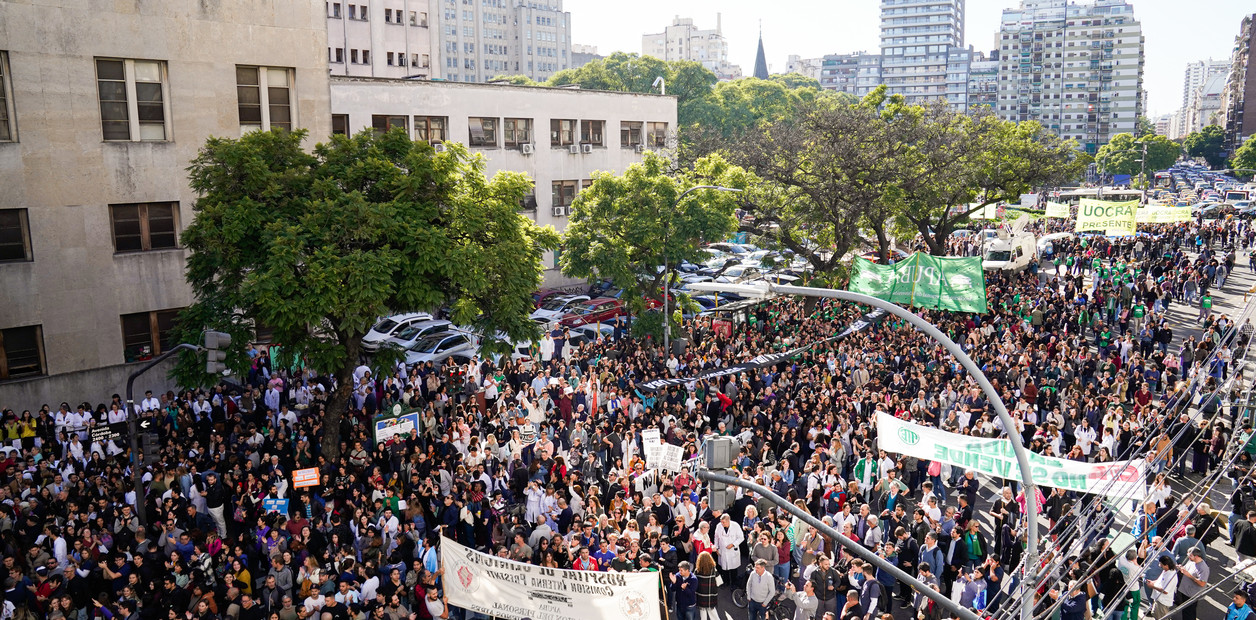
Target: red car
598,310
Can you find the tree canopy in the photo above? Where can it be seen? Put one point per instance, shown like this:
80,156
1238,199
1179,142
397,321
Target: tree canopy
1244,160
1122,153
1208,143
317,246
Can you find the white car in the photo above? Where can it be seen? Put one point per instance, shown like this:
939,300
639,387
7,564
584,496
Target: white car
406,338
390,326
556,307
437,348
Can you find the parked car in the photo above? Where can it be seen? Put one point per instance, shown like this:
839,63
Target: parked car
437,348
556,307
597,310
390,326
406,338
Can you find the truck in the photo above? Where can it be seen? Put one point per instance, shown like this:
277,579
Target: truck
1013,249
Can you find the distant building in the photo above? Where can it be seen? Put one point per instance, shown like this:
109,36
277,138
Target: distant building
368,39
809,67
1075,68
1164,125
1205,106
840,72
917,37
972,79
1197,74
869,76
760,61
684,41
582,55
1237,118
557,136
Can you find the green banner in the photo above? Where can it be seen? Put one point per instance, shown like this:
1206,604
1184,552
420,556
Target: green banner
1114,218
944,282
1058,209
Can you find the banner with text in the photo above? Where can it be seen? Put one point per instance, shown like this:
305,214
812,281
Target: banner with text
1058,209
504,588
1161,214
921,280
1114,218
994,457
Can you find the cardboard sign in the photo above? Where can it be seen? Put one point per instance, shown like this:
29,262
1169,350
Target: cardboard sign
302,478
275,505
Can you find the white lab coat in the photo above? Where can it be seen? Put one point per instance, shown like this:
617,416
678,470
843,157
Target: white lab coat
730,559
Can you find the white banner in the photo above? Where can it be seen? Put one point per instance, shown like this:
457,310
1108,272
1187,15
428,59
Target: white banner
994,457
504,588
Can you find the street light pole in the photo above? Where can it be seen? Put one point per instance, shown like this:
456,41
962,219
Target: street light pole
132,423
667,274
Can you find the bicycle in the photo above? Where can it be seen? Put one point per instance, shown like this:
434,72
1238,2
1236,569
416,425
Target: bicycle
781,607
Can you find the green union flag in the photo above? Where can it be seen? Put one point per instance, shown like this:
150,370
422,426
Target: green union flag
922,280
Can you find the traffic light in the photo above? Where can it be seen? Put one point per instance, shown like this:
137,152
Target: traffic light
718,455
215,357
150,448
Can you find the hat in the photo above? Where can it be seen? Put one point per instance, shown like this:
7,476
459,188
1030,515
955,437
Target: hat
42,571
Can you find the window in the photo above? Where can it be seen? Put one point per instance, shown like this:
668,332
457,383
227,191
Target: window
591,132
564,192
586,184
562,132
265,96
22,352
431,128
353,56
657,134
144,226
630,133
418,19
518,131
384,122
337,55
422,61
483,132
366,57
334,11
340,124
7,133
147,334
390,59
132,99
15,236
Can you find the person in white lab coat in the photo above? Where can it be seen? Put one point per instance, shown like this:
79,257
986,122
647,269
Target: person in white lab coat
728,539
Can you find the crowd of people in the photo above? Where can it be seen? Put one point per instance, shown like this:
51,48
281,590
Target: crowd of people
541,461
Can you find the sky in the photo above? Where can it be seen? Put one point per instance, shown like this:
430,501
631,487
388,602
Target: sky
1176,32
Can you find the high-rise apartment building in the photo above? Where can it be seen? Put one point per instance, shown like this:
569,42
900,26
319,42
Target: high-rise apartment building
1196,76
684,41
972,79
379,38
1236,117
94,169
1075,68
869,76
916,39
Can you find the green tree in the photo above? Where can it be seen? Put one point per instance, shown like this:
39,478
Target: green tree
1144,127
517,80
1244,160
1208,143
1122,153
623,228
318,246
795,80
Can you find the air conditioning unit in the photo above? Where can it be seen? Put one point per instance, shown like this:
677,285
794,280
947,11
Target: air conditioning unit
526,149
574,149
560,211
640,148
438,147
587,149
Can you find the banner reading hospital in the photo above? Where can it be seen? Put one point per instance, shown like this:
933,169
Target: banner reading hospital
994,457
503,588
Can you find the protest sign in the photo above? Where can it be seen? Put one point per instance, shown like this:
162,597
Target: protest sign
994,457
1058,209
1160,214
503,588
302,478
270,504
1114,218
387,428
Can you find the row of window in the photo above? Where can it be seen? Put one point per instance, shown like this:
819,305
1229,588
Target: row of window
145,335
492,132
137,227
134,99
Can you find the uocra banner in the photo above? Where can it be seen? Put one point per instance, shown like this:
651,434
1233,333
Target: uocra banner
1160,214
994,457
1058,209
503,588
948,283
1114,218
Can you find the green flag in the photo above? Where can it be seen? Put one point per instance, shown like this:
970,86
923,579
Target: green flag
949,283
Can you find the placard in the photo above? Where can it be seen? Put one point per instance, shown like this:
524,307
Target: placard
273,504
107,432
513,590
302,478
388,428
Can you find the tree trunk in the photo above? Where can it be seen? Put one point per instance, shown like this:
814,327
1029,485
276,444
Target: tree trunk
883,245
338,400
936,247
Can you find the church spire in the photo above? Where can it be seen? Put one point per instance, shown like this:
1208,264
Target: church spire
760,60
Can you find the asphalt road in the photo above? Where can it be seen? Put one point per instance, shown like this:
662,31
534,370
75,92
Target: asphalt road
1184,320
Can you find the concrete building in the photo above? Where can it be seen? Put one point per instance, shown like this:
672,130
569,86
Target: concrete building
1196,75
380,38
557,136
916,39
840,72
1075,68
684,41
582,55
971,79
869,76
1164,125
104,105
809,67
1236,117
477,41
1205,106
